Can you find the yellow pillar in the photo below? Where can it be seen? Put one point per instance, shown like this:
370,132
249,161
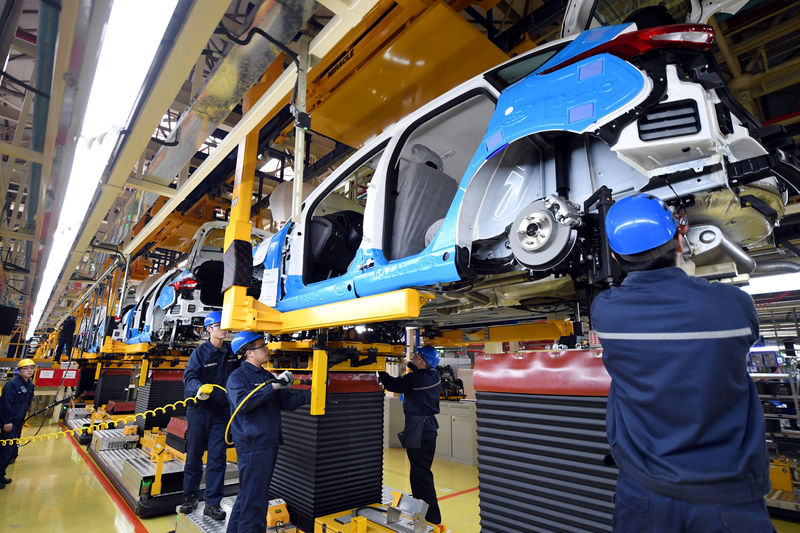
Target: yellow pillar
236,304
319,382
143,374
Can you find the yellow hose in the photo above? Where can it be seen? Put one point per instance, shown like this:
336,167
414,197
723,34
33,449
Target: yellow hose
104,425
228,428
132,418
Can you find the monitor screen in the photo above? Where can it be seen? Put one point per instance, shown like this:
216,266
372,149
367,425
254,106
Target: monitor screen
8,317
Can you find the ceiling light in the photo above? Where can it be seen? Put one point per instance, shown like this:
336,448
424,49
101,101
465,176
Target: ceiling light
131,38
271,165
776,283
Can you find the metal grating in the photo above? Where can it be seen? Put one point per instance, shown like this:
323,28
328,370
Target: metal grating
541,463
672,119
333,462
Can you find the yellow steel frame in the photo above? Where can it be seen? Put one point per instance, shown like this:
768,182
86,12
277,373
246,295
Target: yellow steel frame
534,331
318,363
116,347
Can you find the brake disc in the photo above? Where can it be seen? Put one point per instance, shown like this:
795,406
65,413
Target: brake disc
538,240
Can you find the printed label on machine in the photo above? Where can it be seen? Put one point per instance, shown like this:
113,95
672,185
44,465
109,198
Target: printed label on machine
269,287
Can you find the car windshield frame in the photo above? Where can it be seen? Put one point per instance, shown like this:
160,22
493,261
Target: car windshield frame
510,73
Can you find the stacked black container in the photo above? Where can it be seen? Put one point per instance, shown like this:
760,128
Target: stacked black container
333,462
112,385
163,387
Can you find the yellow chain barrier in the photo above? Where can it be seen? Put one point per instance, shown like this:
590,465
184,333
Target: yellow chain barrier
101,425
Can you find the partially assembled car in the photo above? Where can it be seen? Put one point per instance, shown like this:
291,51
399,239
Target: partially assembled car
170,307
493,195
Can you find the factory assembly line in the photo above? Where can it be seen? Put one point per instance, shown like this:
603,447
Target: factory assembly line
322,232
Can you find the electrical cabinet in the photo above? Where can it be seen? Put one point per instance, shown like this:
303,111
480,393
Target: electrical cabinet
457,432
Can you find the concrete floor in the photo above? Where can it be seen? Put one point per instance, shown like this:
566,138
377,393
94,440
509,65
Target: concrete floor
54,490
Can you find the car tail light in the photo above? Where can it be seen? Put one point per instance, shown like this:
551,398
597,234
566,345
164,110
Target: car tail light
185,283
630,45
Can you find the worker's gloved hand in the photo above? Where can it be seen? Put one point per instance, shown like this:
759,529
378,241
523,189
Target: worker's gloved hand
286,378
204,392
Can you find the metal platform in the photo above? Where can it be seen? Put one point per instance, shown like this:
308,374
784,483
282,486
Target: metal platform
196,522
78,423
128,468
783,504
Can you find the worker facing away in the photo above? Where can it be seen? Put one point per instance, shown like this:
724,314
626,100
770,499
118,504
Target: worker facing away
65,337
684,419
14,404
421,389
210,363
256,428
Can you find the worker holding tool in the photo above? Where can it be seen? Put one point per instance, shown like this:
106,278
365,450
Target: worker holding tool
257,397
684,420
421,389
15,402
209,364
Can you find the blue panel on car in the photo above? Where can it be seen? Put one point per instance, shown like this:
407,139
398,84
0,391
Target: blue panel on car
583,43
425,268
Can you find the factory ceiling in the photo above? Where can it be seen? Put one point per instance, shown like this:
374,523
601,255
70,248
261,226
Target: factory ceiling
176,154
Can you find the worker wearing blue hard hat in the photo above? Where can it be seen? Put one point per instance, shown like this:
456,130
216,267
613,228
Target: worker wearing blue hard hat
684,419
256,427
421,389
209,364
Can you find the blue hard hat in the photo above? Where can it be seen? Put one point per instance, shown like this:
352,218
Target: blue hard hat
639,223
244,337
214,317
430,355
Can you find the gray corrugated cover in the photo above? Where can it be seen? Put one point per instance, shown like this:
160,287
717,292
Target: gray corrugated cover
333,462
541,464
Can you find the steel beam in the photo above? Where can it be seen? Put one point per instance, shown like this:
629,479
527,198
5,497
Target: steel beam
149,186
17,235
20,152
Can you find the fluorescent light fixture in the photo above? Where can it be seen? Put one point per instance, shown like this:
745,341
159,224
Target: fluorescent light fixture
271,166
776,283
130,41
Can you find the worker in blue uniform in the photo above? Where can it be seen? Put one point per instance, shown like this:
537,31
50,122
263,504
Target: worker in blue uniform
684,419
14,404
210,363
256,428
65,337
421,389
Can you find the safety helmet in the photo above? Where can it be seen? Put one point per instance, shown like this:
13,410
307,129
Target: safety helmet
430,355
242,338
638,224
25,362
214,317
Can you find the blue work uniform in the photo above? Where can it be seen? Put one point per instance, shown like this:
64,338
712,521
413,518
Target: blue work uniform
421,390
14,404
207,420
684,420
256,431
